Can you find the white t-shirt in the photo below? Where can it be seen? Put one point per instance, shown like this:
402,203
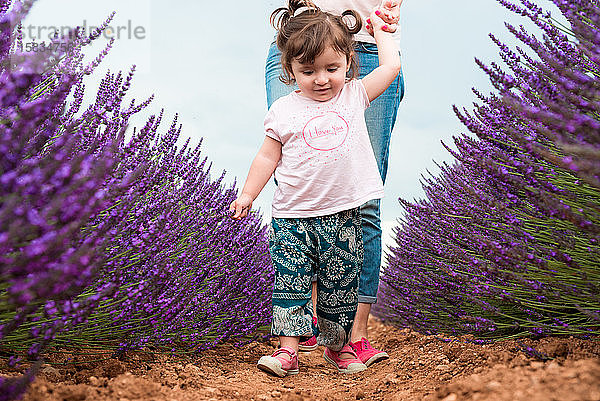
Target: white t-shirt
327,163
363,7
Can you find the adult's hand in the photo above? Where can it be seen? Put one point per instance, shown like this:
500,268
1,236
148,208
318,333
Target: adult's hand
389,12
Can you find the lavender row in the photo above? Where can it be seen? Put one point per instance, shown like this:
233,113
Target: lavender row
506,242
108,242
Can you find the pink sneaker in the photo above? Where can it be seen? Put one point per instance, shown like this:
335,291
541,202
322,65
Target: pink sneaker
311,343
366,353
308,345
278,365
352,365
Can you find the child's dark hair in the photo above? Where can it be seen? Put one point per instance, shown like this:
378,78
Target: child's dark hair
305,36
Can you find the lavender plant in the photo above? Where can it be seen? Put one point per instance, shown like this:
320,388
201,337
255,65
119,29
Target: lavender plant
108,243
506,243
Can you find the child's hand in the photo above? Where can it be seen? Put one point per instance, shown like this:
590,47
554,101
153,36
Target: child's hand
241,206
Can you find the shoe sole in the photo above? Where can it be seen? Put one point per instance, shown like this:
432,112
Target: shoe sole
376,358
275,370
355,369
307,348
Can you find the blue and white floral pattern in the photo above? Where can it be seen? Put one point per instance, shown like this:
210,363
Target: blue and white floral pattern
330,246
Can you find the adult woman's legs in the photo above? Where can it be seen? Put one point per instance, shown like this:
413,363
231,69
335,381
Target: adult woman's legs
380,118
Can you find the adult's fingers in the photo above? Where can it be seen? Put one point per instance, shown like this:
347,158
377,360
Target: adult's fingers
390,4
390,11
391,28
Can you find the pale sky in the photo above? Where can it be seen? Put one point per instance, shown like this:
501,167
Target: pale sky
205,61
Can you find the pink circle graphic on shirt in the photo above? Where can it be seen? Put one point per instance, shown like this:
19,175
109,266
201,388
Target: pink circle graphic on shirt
326,132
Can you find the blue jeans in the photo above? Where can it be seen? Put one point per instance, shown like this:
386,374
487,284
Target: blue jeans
380,118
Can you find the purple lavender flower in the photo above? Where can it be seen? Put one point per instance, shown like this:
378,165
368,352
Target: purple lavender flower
506,242
119,244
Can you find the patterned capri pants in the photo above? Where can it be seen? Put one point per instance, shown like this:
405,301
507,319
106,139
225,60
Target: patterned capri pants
330,247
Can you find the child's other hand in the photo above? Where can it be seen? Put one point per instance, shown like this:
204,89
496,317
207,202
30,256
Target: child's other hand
241,206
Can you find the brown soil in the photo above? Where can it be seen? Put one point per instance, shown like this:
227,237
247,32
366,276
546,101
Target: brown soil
420,368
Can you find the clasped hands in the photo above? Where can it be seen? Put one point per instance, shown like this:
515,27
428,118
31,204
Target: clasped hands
385,17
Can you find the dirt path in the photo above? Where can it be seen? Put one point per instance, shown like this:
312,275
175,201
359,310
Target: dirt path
419,368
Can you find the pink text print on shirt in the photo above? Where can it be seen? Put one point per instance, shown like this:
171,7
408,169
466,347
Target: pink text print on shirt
326,131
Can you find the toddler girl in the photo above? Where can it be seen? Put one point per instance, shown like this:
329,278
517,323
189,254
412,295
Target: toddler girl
318,147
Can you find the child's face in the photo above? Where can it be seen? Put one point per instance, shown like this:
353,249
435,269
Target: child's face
324,78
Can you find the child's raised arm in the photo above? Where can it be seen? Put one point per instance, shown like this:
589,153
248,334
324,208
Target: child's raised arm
389,59
260,171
